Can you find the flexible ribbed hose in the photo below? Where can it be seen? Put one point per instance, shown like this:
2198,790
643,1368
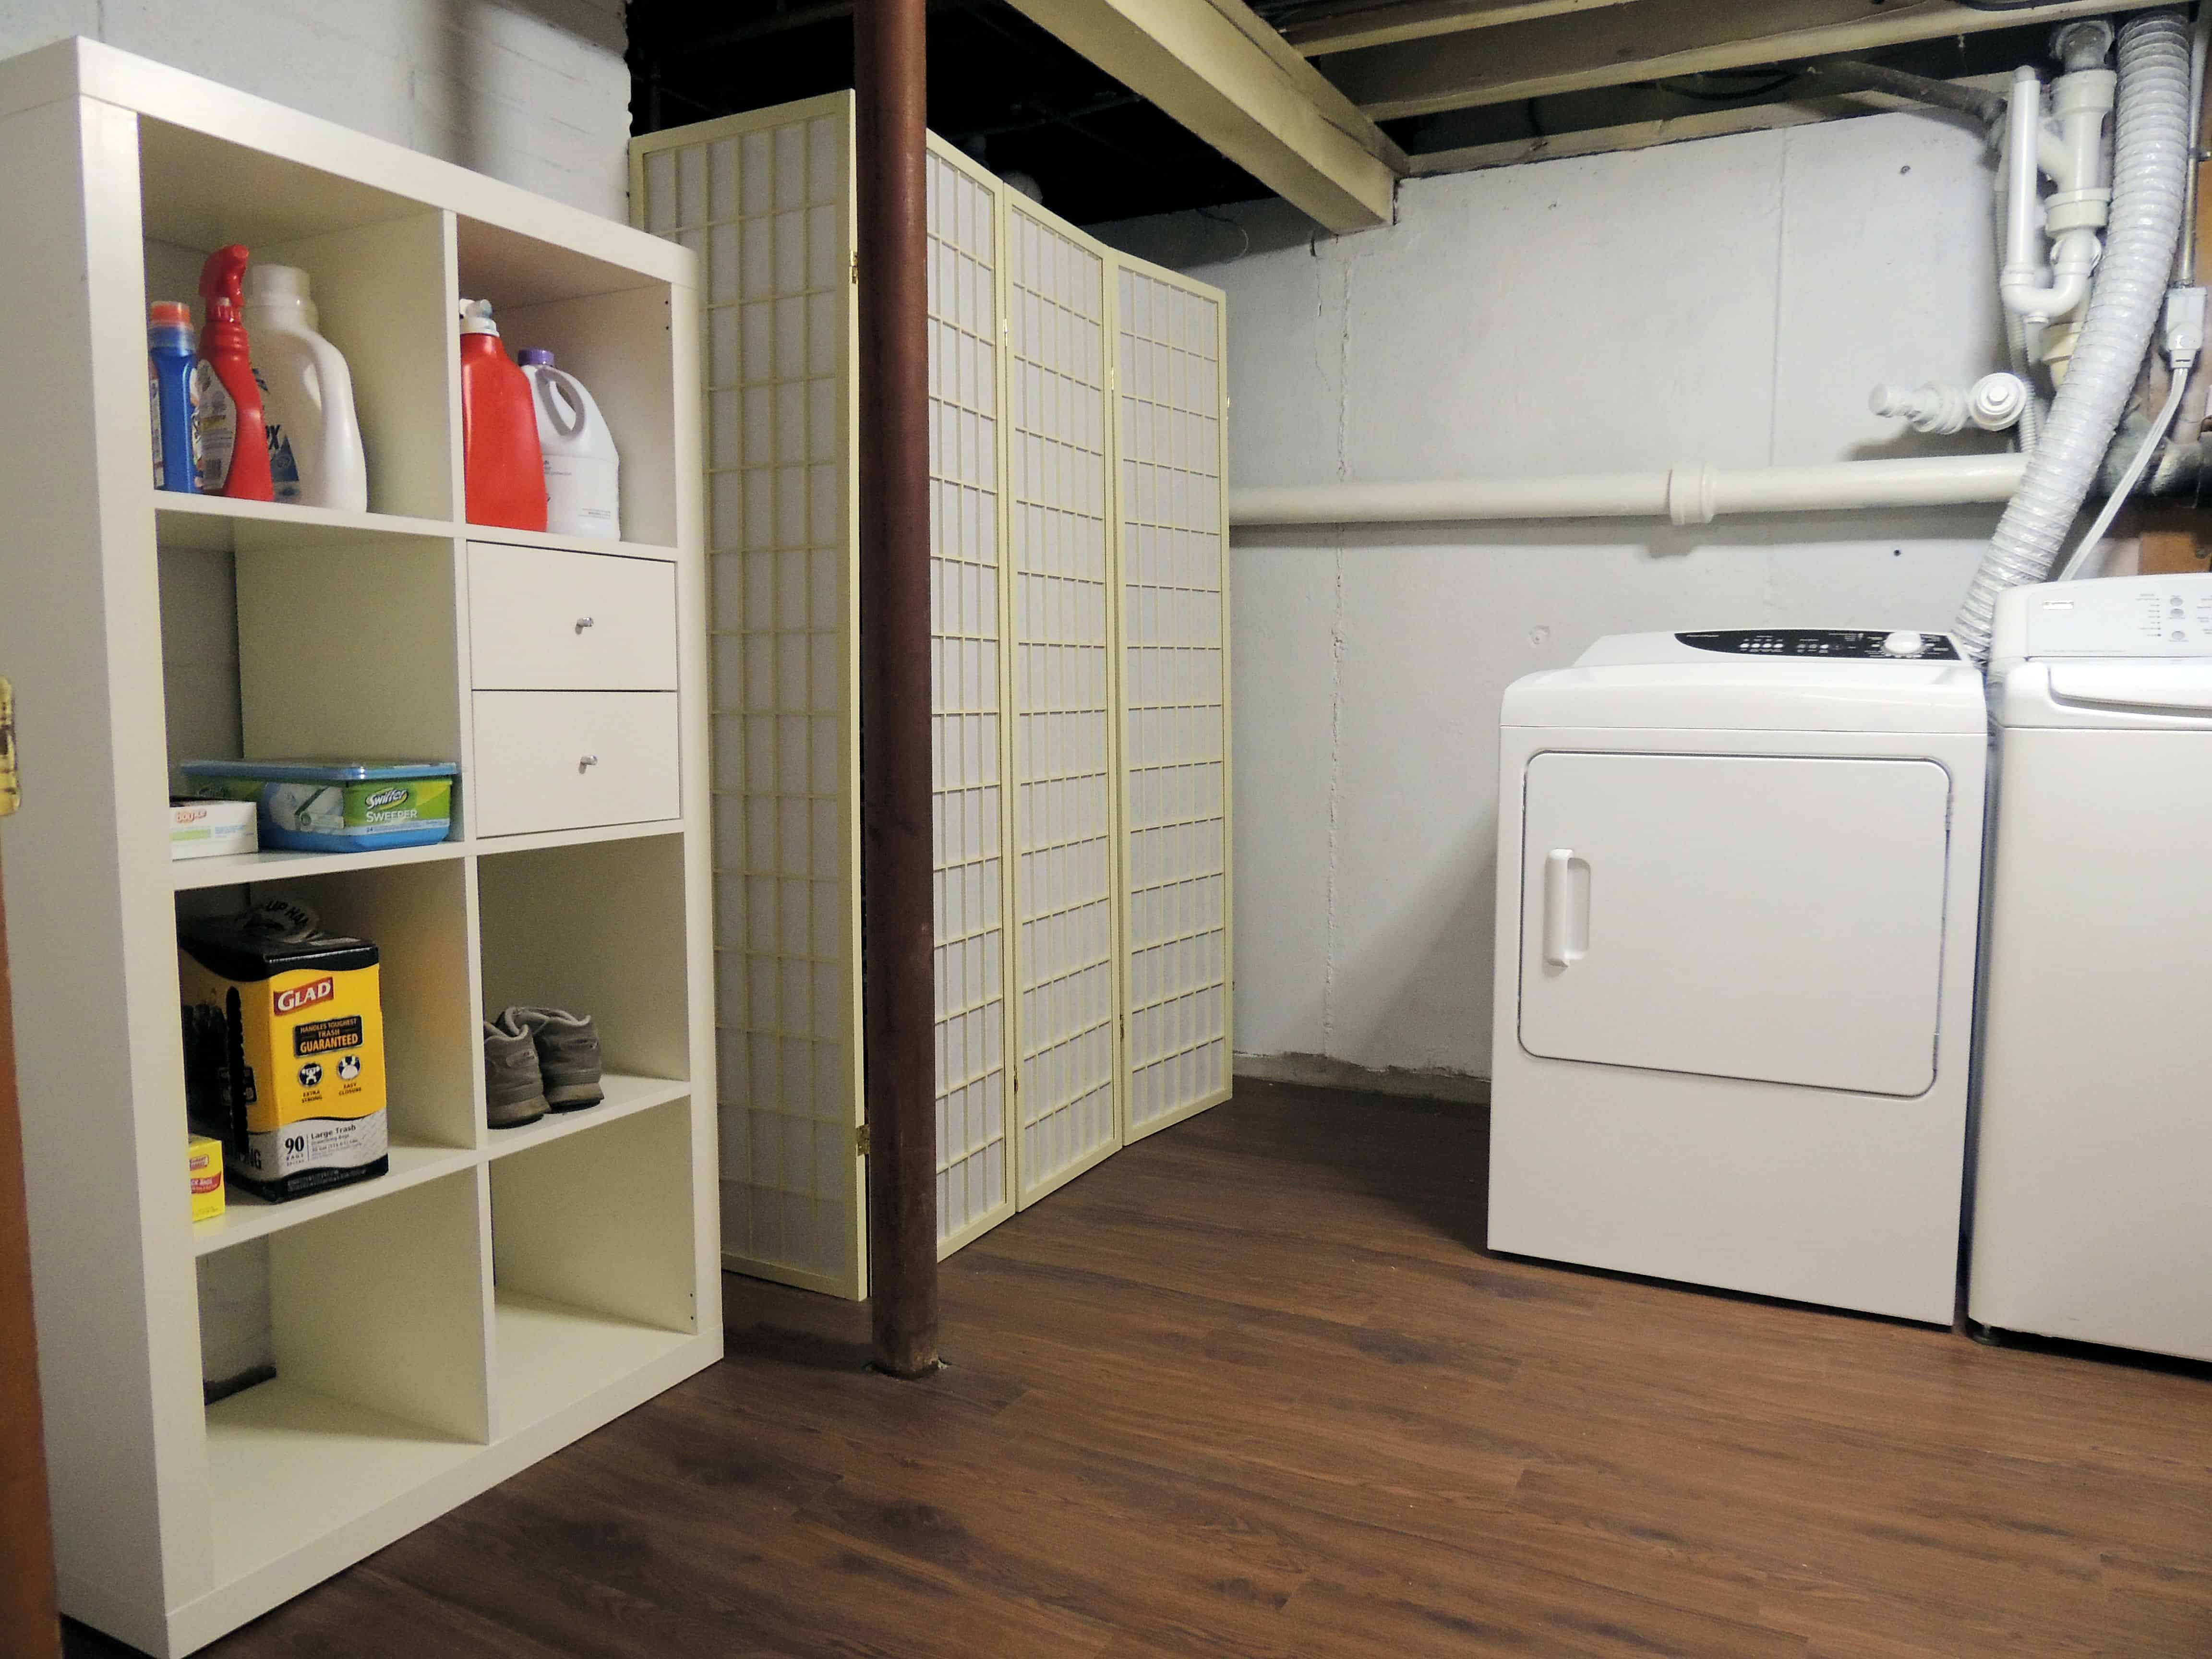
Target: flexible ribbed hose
2150,170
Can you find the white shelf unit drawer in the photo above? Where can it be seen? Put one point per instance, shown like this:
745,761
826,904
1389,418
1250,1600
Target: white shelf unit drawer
573,760
546,621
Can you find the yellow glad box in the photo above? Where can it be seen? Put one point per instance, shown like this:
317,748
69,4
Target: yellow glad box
203,1158
284,1055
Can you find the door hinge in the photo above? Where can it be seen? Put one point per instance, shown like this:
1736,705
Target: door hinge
11,790
861,1139
856,267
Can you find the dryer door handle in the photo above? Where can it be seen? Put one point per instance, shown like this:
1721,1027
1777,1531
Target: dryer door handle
1566,907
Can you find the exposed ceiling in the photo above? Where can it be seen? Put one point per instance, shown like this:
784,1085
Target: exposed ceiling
1437,75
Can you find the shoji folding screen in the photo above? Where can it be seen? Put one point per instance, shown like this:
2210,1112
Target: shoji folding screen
1079,618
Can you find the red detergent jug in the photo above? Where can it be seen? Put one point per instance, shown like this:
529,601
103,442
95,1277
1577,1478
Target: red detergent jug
499,456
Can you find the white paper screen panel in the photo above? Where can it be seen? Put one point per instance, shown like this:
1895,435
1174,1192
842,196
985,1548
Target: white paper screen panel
767,201
1061,638
1174,727
975,1170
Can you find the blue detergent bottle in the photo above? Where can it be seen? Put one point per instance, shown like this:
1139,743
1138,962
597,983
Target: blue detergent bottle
170,348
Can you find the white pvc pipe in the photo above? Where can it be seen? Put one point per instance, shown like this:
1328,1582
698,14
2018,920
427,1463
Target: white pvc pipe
2151,163
1684,495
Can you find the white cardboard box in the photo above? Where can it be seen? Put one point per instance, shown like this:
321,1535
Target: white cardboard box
210,828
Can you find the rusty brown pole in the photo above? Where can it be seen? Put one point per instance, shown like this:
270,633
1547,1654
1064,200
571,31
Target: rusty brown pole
896,936
29,1625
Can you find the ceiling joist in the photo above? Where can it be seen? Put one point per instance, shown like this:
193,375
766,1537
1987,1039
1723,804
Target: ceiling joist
1344,28
1647,40
1231,78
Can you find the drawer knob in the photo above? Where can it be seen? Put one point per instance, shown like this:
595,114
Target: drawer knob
583,623
586,761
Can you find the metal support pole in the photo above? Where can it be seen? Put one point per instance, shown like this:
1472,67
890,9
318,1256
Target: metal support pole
898,939
29,1625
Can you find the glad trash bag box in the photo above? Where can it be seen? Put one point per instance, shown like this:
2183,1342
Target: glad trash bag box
284,1050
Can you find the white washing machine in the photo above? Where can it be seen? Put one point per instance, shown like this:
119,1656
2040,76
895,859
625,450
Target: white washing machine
1738,874
2093,1201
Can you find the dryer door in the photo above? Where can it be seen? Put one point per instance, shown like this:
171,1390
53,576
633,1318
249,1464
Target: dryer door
1773,918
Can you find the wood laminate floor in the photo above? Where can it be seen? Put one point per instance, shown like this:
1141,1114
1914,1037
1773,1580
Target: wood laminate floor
1250,1388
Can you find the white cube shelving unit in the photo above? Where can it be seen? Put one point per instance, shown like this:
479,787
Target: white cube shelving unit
1080,613
499,1292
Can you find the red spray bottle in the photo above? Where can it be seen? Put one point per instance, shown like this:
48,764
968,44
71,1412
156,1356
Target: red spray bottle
233,433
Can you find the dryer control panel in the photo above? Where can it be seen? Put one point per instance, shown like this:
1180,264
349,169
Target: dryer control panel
1901,645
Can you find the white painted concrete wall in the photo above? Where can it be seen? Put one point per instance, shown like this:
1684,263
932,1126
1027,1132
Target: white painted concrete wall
534,92
1731,300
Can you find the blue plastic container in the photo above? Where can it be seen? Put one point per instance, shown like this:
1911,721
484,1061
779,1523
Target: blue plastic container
322,806
169,351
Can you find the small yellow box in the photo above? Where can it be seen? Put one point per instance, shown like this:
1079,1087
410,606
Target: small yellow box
205,1157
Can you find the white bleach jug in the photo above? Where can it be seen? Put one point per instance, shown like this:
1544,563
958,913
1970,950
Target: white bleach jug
583,473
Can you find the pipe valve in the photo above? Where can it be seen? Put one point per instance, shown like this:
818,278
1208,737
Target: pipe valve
1993,402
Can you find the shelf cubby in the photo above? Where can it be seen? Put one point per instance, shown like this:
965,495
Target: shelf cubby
349,651
610,331
592,1260
376,1321
376,270
417,915
595,927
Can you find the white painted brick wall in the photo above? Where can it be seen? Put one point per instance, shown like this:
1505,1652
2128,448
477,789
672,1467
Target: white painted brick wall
1729,301
534,92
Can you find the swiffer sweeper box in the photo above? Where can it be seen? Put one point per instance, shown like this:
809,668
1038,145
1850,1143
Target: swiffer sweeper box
284,1050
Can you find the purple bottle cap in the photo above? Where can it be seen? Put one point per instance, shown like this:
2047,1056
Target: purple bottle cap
534,357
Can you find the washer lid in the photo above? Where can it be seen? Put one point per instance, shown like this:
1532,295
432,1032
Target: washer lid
1663,682
2111,694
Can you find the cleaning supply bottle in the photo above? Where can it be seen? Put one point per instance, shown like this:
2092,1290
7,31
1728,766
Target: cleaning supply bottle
503,467
314,435
583,471
232,430
169,351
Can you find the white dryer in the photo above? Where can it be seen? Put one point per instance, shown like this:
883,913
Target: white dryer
1738,876
2092,1198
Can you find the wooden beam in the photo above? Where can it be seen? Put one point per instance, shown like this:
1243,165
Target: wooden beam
1346,29
1675,129
1223,72
1650,40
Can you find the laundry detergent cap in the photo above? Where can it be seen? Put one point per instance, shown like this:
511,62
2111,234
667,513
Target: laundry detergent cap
534,357
476,317
265,284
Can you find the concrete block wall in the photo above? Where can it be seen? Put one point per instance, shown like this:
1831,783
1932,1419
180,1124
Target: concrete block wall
534,92
1730,300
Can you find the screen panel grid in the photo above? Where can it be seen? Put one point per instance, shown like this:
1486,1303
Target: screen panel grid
1062,701
974,1169
1174,699
768,212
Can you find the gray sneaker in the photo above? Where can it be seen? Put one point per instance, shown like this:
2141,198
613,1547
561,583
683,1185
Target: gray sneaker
514,1089
567,1055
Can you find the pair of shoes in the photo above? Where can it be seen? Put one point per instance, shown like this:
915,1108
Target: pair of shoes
539,1060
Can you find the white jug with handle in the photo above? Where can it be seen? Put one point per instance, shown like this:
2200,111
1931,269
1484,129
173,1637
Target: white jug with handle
583,473
314,432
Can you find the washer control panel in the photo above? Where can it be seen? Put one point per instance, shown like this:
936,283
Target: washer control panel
2119,616
1901,645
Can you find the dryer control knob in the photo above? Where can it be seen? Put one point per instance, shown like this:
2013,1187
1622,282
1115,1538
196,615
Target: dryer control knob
1903,643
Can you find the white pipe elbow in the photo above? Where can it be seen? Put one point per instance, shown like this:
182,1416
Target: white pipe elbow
2027,295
